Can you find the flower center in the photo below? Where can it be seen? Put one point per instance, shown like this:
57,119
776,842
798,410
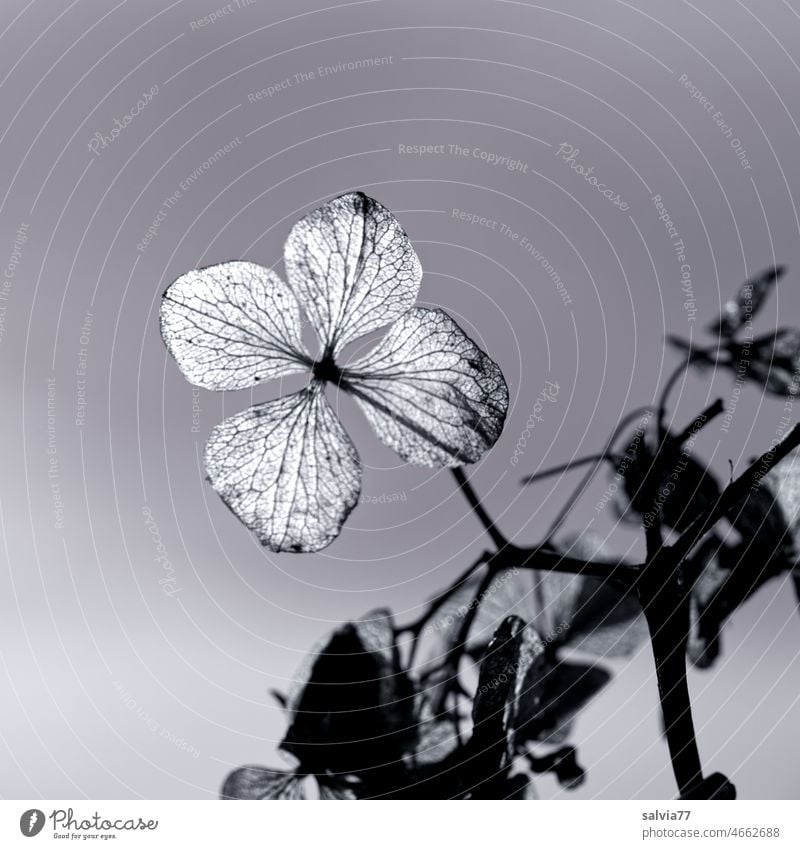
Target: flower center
327,370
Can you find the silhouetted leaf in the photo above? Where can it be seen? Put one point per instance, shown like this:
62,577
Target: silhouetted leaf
748,301
563,763
437,735
287,469
355,711
430,393
703,645
574,611
507,678
261,782
589,614
336,790
662,478
696,357
761,519
772,361
566,688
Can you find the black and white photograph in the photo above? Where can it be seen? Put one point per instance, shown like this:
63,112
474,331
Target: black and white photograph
401,403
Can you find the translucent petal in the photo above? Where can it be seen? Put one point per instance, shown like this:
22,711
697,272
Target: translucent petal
287,469
232,325
261,782
430,393
352,267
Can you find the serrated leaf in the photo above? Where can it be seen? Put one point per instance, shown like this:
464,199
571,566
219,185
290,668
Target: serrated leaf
261,782
287,469
353,267
748,301
232,325
430,393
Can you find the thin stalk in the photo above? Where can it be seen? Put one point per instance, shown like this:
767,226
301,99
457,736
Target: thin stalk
478,509
566,467
587,478
665,393
416,628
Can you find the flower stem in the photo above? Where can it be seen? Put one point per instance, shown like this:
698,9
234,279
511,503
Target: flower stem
566,467
665,602
555,526
478,509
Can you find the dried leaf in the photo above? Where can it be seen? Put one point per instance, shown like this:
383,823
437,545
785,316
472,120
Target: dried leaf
574,611
287,469
761,517
232,325
507,686
567,687
261,782
772,361
589,614
703,645
353,268
331,789
678,486
355,711
563,763
430,393
437,736
748,301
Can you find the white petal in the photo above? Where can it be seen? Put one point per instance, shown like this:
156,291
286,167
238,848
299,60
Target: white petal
287,469
352,267
232,325
430,393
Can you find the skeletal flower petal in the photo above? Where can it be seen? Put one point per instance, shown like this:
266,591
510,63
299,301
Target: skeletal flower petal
287,469
430,393
353,268
232,325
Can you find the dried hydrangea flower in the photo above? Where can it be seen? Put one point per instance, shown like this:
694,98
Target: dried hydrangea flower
287,468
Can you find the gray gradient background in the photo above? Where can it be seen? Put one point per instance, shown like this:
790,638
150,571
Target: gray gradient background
101,670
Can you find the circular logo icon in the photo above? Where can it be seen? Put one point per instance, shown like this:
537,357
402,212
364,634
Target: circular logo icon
31,822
